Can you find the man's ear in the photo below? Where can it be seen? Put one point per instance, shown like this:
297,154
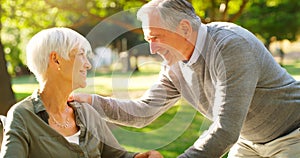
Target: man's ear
185,28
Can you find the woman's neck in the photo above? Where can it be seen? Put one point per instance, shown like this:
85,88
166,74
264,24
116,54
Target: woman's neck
54,96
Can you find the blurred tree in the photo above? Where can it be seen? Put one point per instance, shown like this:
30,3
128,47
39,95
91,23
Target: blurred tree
6,94
113,23
219,10
21,19
82,15
279,18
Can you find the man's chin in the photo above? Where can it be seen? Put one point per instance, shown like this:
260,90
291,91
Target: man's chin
169,63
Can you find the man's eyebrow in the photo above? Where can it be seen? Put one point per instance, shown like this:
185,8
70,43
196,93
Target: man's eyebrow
151,36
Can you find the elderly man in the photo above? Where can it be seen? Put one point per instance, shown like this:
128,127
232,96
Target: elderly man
226,74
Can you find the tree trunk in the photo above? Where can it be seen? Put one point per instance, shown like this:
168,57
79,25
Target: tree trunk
7,97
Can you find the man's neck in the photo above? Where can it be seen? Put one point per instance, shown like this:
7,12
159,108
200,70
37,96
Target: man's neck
190,47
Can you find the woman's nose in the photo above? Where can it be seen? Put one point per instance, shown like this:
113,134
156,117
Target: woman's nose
88,65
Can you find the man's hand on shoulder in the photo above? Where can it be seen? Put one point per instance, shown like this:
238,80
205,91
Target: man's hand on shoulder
81,97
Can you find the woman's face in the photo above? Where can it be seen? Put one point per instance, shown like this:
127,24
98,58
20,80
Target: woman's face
76,68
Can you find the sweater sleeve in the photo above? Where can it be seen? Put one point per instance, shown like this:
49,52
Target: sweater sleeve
138,113
237,75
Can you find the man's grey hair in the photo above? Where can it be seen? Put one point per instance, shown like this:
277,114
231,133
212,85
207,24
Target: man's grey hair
171,12
59,40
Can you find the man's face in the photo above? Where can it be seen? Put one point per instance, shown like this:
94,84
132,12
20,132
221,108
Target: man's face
169,44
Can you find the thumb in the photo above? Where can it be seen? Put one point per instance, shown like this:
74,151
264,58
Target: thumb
71,97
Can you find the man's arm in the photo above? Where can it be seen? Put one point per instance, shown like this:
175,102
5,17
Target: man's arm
139,113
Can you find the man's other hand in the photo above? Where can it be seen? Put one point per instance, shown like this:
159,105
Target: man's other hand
149,154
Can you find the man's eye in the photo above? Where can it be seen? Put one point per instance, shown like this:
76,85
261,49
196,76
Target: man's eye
152,38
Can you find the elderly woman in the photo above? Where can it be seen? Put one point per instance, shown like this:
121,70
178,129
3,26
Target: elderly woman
45,124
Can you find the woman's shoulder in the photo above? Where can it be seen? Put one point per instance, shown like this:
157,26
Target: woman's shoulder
20,113
22,106
88,115
84,109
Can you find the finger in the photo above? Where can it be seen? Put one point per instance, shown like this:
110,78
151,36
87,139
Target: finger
71,97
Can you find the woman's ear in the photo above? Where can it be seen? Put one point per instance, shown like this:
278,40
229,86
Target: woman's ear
54,60
54,57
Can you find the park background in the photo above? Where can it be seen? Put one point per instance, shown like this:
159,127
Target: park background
122,65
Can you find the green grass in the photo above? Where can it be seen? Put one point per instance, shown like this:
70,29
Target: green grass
24,86
171,133
294,69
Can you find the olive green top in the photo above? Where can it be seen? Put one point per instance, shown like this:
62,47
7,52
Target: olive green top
28,134
2,121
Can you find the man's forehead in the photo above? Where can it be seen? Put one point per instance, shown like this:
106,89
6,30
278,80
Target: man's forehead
151,20
153,30
153,27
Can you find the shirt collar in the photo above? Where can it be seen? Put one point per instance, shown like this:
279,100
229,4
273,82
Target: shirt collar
38,104
202,32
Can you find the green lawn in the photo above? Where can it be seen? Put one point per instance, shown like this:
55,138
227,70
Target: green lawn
294,69
171,133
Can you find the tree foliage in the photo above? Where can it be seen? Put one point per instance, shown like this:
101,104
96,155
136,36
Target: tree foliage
220,10
279,18
6,94
21,19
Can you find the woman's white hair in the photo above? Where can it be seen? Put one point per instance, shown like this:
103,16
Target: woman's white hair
59,40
